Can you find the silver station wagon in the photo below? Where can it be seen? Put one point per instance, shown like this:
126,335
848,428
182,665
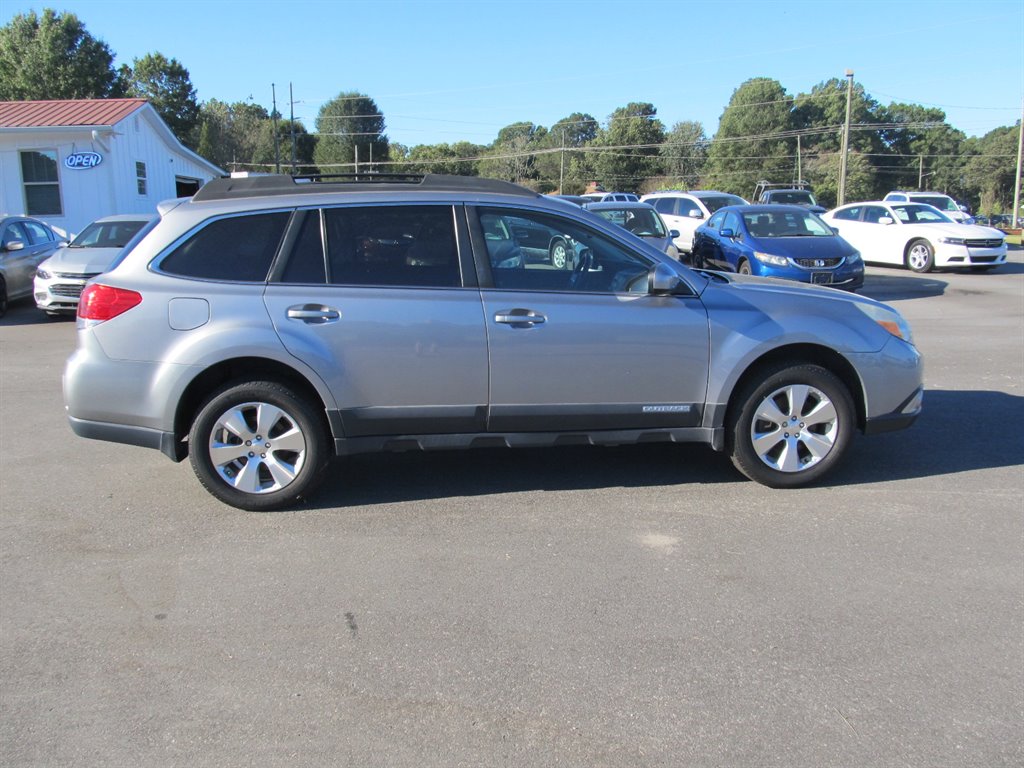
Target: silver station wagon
269,324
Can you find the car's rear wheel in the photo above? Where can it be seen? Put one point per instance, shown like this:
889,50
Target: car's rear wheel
920,256
258,445
3,297
791,426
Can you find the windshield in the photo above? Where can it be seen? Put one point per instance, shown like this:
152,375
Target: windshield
794,223
107,234
942,202
911,213
642,222
796,197
714,202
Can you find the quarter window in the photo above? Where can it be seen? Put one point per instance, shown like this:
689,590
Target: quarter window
239,249
848,214
42,187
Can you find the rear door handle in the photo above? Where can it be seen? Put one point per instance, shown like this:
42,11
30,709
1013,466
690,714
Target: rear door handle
313,314
519,318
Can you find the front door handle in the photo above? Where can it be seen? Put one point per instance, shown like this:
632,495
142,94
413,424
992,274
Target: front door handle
313,314
519,318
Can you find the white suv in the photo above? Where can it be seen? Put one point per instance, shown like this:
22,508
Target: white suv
685,211
944,203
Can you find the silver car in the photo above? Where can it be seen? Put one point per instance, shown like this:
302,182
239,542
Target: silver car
268,325
642,220
60,279
24,243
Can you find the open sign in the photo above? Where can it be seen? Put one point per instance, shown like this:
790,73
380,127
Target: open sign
79,160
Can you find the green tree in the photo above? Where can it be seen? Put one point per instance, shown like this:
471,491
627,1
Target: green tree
684,154
925,149
268,156
629,147
457,159
53,57
230,134
511,156
990,169
749,146
350,127
820,116
559,158
165,83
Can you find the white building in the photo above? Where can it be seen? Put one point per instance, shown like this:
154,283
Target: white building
71,162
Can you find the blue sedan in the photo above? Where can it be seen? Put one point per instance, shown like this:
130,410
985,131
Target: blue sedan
784,241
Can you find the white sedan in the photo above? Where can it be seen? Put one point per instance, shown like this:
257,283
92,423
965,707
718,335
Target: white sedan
916,235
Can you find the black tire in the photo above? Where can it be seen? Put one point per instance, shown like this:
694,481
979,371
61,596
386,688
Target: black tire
3,297
790,426
744,268
919,256
559,253
267,477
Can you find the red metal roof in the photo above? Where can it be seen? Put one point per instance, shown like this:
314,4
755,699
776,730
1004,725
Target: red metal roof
84,112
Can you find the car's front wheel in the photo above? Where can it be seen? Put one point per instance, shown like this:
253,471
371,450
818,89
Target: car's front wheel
258,445
3,297
744,268
920,256
791,426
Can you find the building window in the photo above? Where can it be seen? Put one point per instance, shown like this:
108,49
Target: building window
140,177
42,187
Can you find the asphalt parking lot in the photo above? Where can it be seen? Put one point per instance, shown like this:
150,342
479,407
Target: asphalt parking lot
642,606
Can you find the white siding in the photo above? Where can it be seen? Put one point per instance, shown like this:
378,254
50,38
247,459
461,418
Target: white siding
111,187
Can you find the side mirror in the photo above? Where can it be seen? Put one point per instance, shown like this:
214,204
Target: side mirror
835,230
728,232
695,214
14,245
964,208
885,220
662,280
673,233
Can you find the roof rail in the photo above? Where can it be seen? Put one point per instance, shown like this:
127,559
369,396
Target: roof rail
227,188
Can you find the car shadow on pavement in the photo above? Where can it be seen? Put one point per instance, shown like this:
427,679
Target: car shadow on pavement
25,312
958,431
389,478
897,287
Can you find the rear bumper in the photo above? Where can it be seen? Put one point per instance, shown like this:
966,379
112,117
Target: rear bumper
129,435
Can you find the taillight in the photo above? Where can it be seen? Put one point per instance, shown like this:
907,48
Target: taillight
101,302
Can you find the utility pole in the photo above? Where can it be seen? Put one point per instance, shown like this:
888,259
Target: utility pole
291,101
799,171
920,173
277,139
1016,184
841,196
561,170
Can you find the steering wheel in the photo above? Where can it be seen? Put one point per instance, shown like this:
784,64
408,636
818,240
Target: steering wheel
584,261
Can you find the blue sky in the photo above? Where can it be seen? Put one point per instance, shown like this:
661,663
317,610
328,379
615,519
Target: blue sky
460,71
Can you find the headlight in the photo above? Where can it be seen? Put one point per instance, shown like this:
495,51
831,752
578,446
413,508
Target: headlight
771,258
42,274
854,257
952,240
890,319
